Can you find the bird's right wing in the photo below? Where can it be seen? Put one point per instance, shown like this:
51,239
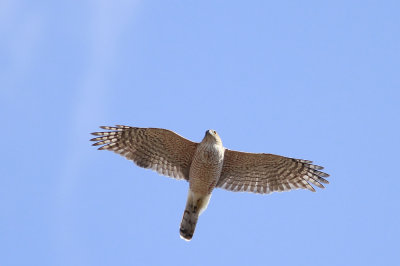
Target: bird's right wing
265,173
158,149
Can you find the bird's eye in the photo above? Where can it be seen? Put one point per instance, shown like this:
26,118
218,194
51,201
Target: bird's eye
215,132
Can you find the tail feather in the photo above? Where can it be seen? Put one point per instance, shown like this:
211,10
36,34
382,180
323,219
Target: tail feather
195,205
188,224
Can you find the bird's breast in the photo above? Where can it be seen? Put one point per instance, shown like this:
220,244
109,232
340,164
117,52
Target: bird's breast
205,169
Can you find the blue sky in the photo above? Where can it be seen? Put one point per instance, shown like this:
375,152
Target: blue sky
317,80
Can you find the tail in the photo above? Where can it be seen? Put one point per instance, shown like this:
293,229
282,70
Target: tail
188,224
195,205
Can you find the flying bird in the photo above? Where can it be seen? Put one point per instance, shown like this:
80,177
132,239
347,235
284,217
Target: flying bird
207,165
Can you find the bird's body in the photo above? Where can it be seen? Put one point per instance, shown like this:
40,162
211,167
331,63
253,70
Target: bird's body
204,174
207,165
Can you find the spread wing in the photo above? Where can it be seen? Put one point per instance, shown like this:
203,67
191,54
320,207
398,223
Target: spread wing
266,173
158,149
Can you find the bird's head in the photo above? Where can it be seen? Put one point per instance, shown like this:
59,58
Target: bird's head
212,136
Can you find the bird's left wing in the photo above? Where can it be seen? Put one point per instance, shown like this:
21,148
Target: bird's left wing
158,149
265,173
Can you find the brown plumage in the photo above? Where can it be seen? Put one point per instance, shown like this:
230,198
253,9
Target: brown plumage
207,165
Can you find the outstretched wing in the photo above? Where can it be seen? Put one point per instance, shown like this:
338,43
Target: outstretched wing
266,173
158,149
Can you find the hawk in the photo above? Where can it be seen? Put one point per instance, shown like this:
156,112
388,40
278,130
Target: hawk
207,165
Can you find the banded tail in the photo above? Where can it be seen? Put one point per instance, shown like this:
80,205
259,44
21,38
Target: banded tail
195,205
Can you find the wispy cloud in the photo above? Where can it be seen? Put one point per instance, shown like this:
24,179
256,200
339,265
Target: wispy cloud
108,19
22,32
